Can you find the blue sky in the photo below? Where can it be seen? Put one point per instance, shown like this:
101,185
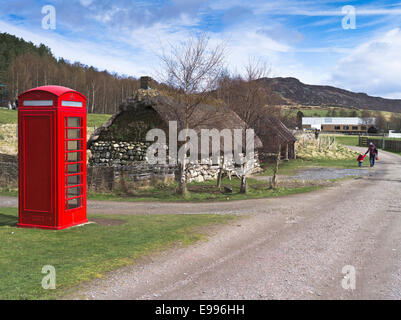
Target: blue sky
298,38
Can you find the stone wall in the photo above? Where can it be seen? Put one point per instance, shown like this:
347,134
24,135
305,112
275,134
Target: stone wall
120,173
109,178
130,157
8,171
117,154
139,173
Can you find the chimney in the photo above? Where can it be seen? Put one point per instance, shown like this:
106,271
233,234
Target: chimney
145,82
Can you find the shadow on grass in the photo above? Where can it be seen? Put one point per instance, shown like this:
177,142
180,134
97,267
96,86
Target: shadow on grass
8,220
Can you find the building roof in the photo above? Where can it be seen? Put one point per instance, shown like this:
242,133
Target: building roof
338,121
203,117
273,132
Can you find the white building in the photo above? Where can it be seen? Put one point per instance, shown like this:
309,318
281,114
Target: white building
339,124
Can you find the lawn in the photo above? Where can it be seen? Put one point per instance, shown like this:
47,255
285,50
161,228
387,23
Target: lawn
87,252
203,192
11,117
8,116
291,167
354,140
346,140
96,120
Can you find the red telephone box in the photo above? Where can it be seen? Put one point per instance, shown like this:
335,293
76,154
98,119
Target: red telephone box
52,158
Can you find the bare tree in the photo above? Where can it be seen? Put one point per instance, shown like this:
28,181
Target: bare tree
248,96
192,68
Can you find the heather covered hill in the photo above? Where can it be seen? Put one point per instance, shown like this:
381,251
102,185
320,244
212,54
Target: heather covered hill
292,91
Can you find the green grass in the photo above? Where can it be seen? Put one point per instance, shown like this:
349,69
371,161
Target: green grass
96,120
354,140
87,252
199,192
327,112
344,140
291,167
11,117
8,116
203,192
8,192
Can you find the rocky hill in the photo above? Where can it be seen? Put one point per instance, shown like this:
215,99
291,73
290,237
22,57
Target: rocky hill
293,91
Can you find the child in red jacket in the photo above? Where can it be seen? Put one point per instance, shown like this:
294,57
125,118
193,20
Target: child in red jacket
360,159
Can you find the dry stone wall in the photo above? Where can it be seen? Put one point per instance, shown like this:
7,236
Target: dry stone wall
8,171
129,159
117,154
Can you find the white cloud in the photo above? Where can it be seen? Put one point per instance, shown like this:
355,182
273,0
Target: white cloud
86,3
373,67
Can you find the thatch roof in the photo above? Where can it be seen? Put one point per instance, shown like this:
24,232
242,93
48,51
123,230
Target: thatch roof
203,117
273,132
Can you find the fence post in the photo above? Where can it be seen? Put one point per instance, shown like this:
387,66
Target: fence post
383,142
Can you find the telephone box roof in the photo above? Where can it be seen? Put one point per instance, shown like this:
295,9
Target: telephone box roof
56,90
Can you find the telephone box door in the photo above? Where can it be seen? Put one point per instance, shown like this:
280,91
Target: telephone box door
37,176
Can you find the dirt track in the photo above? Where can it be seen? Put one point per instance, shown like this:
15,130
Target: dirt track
284,248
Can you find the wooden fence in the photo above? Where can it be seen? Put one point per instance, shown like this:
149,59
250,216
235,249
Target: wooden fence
389,145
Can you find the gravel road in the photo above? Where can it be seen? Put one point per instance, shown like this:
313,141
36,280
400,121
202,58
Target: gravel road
292,248
284,248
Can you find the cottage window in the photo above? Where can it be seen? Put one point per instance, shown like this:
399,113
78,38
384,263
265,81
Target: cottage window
346,127
354,128
337,128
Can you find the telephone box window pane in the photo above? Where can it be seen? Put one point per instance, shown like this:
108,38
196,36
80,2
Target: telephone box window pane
73,192
73,145
74,134
73,180
38,103
71,104
74,203
73,168
74,122
73,157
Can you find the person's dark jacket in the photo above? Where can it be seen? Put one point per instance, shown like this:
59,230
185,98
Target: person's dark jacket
372,150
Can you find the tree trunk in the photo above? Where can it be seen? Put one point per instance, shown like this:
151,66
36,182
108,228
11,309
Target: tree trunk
220,174
275,173
244,184
182,183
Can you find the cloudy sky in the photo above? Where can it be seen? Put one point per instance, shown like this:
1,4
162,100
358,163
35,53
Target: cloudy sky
297,38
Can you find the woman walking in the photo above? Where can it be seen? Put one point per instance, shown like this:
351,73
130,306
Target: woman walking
373,153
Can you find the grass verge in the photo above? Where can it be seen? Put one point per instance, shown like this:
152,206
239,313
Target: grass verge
354,140
291,167
8,192
205,191
87,252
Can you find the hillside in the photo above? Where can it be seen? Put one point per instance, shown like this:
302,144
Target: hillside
24,65
12,47
292,91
